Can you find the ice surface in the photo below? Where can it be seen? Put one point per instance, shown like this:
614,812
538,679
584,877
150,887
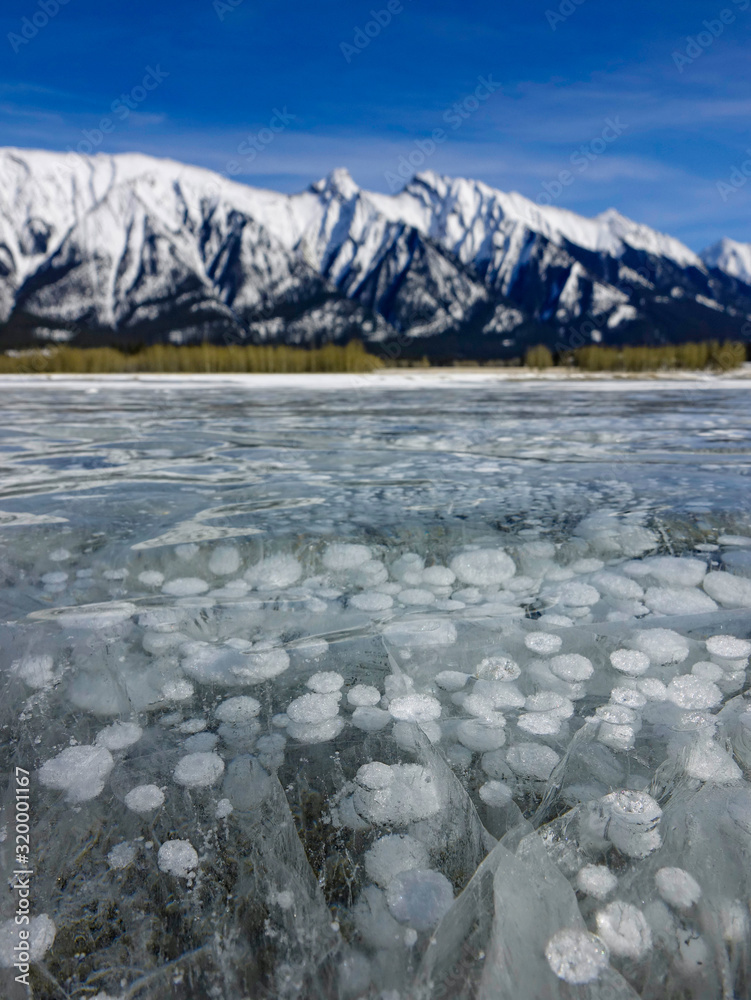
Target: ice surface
296,706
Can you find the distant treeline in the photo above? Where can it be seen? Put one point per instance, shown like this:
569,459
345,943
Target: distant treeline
189,359
252,358
706,354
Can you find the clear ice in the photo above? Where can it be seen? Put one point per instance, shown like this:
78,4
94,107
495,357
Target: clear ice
378,693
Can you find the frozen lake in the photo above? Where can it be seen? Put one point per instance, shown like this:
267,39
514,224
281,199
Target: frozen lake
347,687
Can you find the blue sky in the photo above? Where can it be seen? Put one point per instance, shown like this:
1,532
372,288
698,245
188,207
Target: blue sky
559,71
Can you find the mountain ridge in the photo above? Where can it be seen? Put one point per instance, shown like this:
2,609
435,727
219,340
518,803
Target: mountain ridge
131,249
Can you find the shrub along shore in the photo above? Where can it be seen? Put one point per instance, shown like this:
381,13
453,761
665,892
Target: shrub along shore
698,356
211,358
206,358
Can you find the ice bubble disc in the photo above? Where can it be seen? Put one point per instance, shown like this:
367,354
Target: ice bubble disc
35,671
629,661
178,690
676,570
482,708
79,771
498,668
198,770
576,595
629,697
624,930
635,808
325,682
596,881
483,567
618,715
243,708
225,559
550,701
540,723
416,597
662,645
370,719
392,855
576,956
363,695
727,647
274,572
481,735
572,667
415,708
708,671
316,732
689,691
119,735
177,857
144,798
121,856
544,643
678,888
495,794
728,590
532,760
313,708
185,586
438,576
419,898
374,775
451,680
708,762
344,556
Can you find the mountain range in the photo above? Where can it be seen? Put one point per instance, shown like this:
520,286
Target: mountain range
129,249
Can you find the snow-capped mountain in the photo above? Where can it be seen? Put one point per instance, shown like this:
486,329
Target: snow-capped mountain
131,248
730,257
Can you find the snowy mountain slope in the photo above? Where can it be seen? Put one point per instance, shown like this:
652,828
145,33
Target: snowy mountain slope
730,257
134,248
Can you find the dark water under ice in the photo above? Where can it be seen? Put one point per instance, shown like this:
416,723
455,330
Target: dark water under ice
379,692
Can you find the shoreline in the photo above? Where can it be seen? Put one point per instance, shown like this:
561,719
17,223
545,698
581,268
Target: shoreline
404,378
